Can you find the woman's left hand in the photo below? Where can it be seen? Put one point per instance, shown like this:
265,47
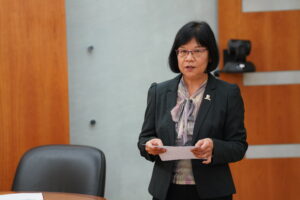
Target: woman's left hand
203,149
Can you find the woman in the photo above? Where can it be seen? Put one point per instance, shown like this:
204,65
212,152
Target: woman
195,109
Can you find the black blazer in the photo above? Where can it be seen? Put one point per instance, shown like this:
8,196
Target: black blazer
221,118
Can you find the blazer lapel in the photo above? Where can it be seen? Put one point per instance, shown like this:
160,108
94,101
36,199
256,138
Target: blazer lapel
171,102
207,101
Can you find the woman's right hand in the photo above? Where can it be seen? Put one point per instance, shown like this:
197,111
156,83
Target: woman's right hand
153,147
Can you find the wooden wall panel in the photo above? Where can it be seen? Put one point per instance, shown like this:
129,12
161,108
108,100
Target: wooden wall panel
267,179
33,79
274,35
272,112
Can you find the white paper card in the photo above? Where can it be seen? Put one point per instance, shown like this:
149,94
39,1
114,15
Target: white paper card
22,196
177,153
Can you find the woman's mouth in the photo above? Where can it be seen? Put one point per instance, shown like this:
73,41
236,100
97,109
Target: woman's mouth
189,67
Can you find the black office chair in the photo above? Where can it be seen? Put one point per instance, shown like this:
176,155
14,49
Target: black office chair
62,168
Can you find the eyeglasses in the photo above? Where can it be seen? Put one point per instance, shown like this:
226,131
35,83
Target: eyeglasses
196,52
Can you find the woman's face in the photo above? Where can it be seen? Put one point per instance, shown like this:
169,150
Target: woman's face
192,60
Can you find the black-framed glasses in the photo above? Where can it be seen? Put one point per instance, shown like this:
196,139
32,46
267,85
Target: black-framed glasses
196,52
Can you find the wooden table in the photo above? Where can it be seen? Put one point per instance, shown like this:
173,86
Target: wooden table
63,196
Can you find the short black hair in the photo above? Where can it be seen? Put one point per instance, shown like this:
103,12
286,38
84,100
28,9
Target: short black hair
203,34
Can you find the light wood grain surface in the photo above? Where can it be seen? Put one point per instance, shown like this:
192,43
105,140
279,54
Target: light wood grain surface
33,80
272,113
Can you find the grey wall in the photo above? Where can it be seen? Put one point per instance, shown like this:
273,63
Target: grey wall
131,40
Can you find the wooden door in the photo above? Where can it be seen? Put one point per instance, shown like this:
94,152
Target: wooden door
33,80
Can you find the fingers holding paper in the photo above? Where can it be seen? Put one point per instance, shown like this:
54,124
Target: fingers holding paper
203,149
154,147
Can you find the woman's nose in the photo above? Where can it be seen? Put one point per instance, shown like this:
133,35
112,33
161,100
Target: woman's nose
190,56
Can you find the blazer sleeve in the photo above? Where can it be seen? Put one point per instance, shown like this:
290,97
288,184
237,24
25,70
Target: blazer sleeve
233,146
148,129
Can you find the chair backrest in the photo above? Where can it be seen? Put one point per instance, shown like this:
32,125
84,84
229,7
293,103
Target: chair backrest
62,168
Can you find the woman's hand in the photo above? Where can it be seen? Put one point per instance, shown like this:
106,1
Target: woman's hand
203,149
152,147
